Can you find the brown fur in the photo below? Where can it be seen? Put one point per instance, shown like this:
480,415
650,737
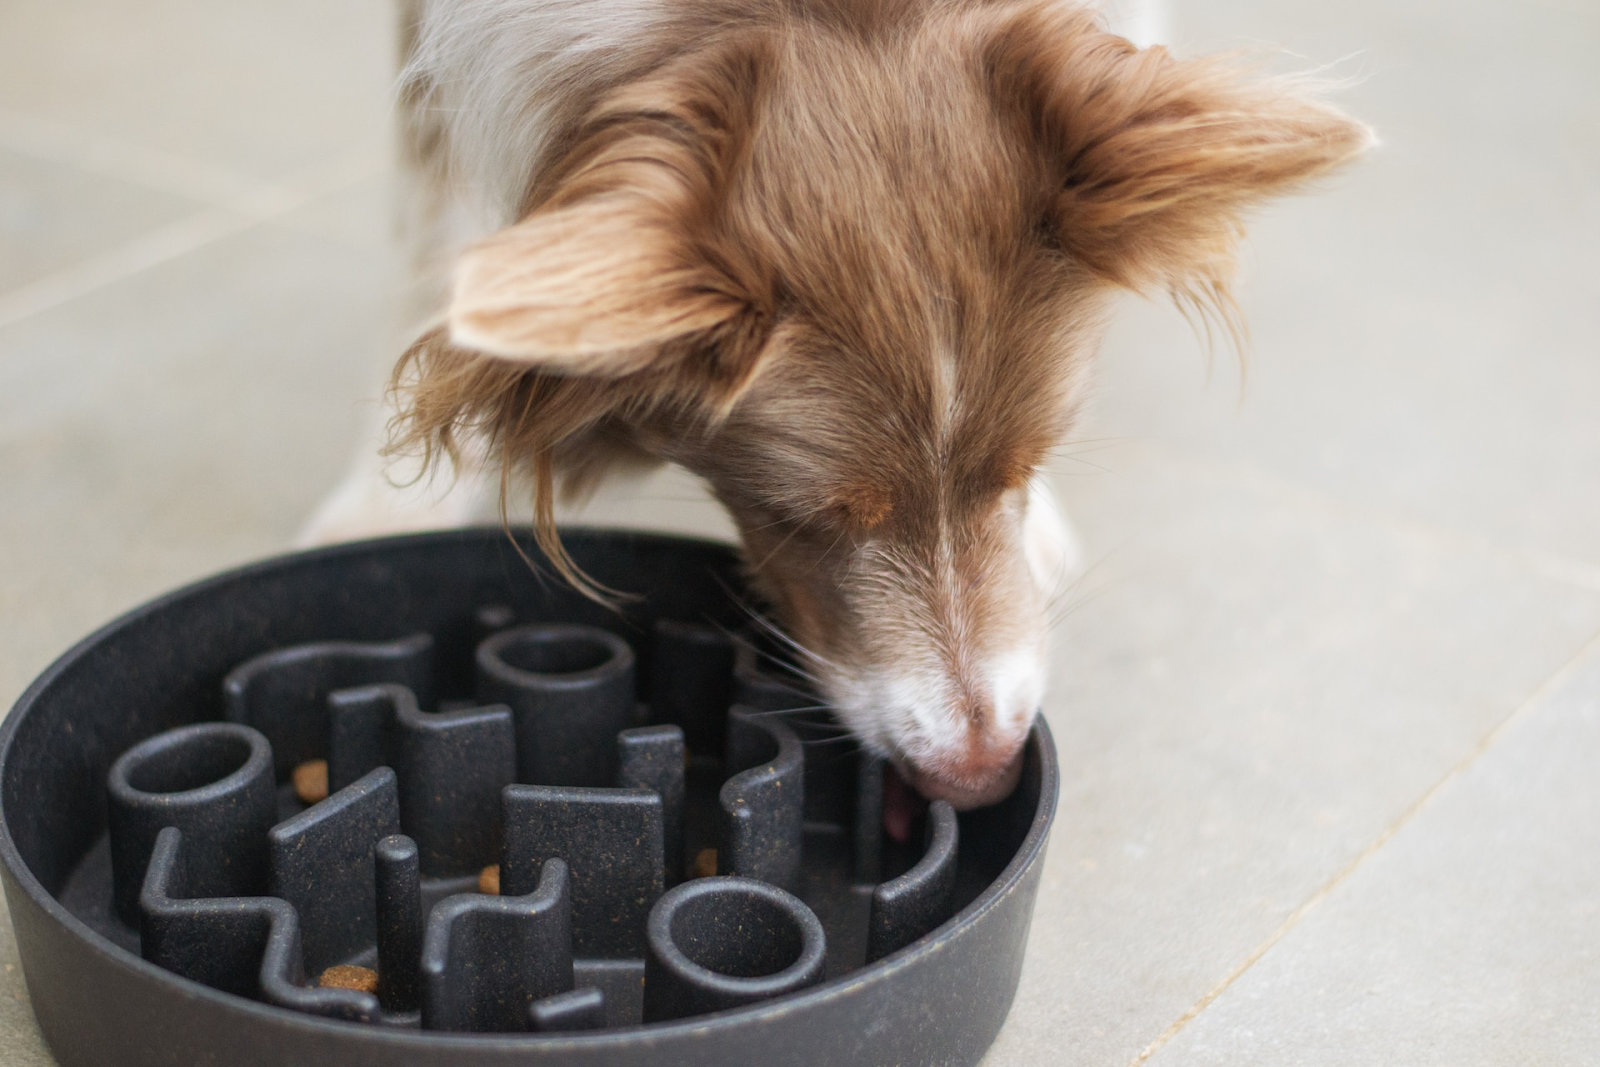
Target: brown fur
848,261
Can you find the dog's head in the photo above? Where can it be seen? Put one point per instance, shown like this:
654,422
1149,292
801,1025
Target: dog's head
852,273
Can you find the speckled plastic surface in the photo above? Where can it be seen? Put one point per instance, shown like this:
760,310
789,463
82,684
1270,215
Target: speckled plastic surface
690,865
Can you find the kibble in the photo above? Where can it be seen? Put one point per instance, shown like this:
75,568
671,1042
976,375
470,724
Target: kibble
705,863
345,976
311,781
489,880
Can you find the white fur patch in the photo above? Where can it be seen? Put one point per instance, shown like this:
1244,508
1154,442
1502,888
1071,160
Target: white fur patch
912,707
1048,541
1017,679
910,712
496,72
1144,22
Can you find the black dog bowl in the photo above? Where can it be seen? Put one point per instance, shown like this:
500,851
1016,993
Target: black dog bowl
691,868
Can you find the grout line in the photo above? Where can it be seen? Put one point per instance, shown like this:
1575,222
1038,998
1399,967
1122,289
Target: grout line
208,226
1546,564
158,246
43,139
1562,674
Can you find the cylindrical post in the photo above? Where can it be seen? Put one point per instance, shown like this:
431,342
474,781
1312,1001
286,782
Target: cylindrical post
398,874
570,690
716,943
214,782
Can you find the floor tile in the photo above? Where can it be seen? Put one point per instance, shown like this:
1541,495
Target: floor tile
181,421
1424,328
24,1045
262,88
363,216
1249,688
1471,940
53,215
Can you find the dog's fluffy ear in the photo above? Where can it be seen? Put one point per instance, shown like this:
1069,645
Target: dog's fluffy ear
1152,161
593,288
619,257
613,301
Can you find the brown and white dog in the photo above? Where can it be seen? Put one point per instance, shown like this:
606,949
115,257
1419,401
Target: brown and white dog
846,260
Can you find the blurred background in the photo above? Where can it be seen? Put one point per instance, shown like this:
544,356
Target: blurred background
1328,699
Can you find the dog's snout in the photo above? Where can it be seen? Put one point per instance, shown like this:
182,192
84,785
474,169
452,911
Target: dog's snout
973,780
950,741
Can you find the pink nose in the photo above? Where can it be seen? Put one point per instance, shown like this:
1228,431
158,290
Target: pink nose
980,778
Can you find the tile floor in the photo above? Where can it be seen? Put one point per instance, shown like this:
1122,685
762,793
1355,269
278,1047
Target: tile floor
1328,701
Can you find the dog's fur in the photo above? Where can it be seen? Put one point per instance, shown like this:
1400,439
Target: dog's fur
848,261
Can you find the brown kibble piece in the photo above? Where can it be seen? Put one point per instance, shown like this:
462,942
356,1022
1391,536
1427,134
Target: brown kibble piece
705,863
489,880
344,976
311,781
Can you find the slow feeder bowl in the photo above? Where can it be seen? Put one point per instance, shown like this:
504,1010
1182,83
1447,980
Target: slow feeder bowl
175,903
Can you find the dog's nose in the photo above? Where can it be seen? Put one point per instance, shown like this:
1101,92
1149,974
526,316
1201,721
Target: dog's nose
976,779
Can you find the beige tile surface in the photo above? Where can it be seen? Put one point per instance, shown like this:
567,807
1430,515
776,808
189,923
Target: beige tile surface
1424,332
162,427
21,1044
361,216
1312,601
1472,938
260,88
1251,686
53,215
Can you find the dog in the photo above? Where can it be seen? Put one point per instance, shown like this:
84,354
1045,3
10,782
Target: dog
848,261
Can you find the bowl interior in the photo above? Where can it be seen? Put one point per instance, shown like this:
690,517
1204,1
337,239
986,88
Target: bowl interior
162,667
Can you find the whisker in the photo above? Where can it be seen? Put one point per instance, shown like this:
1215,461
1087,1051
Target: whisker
829,551
776,549
776,631
1075,595
1088,444
792,711
818,742
786,666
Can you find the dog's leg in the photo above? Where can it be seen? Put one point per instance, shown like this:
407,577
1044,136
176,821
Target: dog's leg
375,497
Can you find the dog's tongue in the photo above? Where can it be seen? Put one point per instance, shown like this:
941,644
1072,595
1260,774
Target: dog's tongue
902,805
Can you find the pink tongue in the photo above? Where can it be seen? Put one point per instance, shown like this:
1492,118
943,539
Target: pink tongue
902,805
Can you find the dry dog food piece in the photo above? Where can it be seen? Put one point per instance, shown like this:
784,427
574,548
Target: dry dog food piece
344,976
489,880
705,863
311,781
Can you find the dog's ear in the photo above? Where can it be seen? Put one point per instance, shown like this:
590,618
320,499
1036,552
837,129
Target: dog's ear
1151,161
618,258
595,287
614,300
